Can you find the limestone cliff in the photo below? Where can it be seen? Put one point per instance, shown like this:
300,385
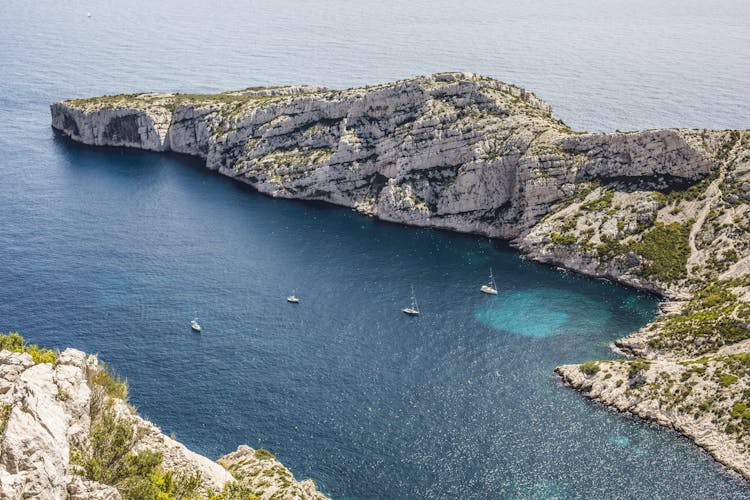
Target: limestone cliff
62,417
663,210
453,150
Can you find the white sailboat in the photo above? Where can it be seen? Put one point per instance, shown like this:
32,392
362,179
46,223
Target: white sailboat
491,287
195,326
293,298
413,310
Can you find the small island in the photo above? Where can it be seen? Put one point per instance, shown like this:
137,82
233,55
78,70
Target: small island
661,210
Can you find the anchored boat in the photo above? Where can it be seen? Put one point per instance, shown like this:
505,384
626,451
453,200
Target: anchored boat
491,287
413,310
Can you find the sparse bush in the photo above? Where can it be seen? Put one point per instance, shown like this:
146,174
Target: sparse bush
235,491
4,416
637,367
262,454
110,459
589,368
113,385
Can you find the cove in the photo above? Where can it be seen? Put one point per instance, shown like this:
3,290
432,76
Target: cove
114,251
344,388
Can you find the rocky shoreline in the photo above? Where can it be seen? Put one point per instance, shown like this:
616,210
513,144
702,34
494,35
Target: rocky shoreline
67,431
660,210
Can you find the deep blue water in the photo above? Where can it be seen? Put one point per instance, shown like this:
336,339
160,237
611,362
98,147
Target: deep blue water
114,251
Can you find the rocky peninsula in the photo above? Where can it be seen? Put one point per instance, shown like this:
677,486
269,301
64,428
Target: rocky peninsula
661,210
67,431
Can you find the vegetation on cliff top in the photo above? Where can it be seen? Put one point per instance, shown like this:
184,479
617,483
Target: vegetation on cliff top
167,101
110,457
714,317
15,343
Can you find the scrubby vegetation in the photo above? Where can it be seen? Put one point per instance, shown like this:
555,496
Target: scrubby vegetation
168,101
666,250
15,343
111,460
714,317
111,383
110,457
590,367
263,454
716,388
637,367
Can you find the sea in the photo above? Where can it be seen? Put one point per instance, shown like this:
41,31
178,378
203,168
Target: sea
114,251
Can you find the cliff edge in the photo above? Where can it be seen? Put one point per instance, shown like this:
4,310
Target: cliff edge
67,432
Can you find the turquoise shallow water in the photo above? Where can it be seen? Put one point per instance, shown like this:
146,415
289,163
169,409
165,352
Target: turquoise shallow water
541,312
114,251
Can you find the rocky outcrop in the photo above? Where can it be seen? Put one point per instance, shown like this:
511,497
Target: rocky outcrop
655,391
261,470
45,413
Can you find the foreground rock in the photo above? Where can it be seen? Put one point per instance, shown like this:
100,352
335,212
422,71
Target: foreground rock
662,210
48,412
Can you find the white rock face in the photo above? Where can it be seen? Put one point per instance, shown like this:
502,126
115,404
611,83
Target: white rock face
34,447
49,413
453,150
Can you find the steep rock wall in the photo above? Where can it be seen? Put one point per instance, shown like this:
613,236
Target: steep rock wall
453,150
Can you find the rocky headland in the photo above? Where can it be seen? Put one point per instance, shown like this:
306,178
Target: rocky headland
661,210
67,431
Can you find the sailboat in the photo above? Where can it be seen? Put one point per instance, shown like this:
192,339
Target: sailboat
491,287
195,326
413,310
292,298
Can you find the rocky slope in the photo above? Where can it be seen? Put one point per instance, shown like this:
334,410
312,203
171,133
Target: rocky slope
661,210
67,432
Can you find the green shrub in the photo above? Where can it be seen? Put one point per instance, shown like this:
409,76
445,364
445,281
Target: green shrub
176,486
113,385
111,460
666,249
727,379
234,491
599,204
741,410
563,239
15,343
638,366
589,367
262,454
